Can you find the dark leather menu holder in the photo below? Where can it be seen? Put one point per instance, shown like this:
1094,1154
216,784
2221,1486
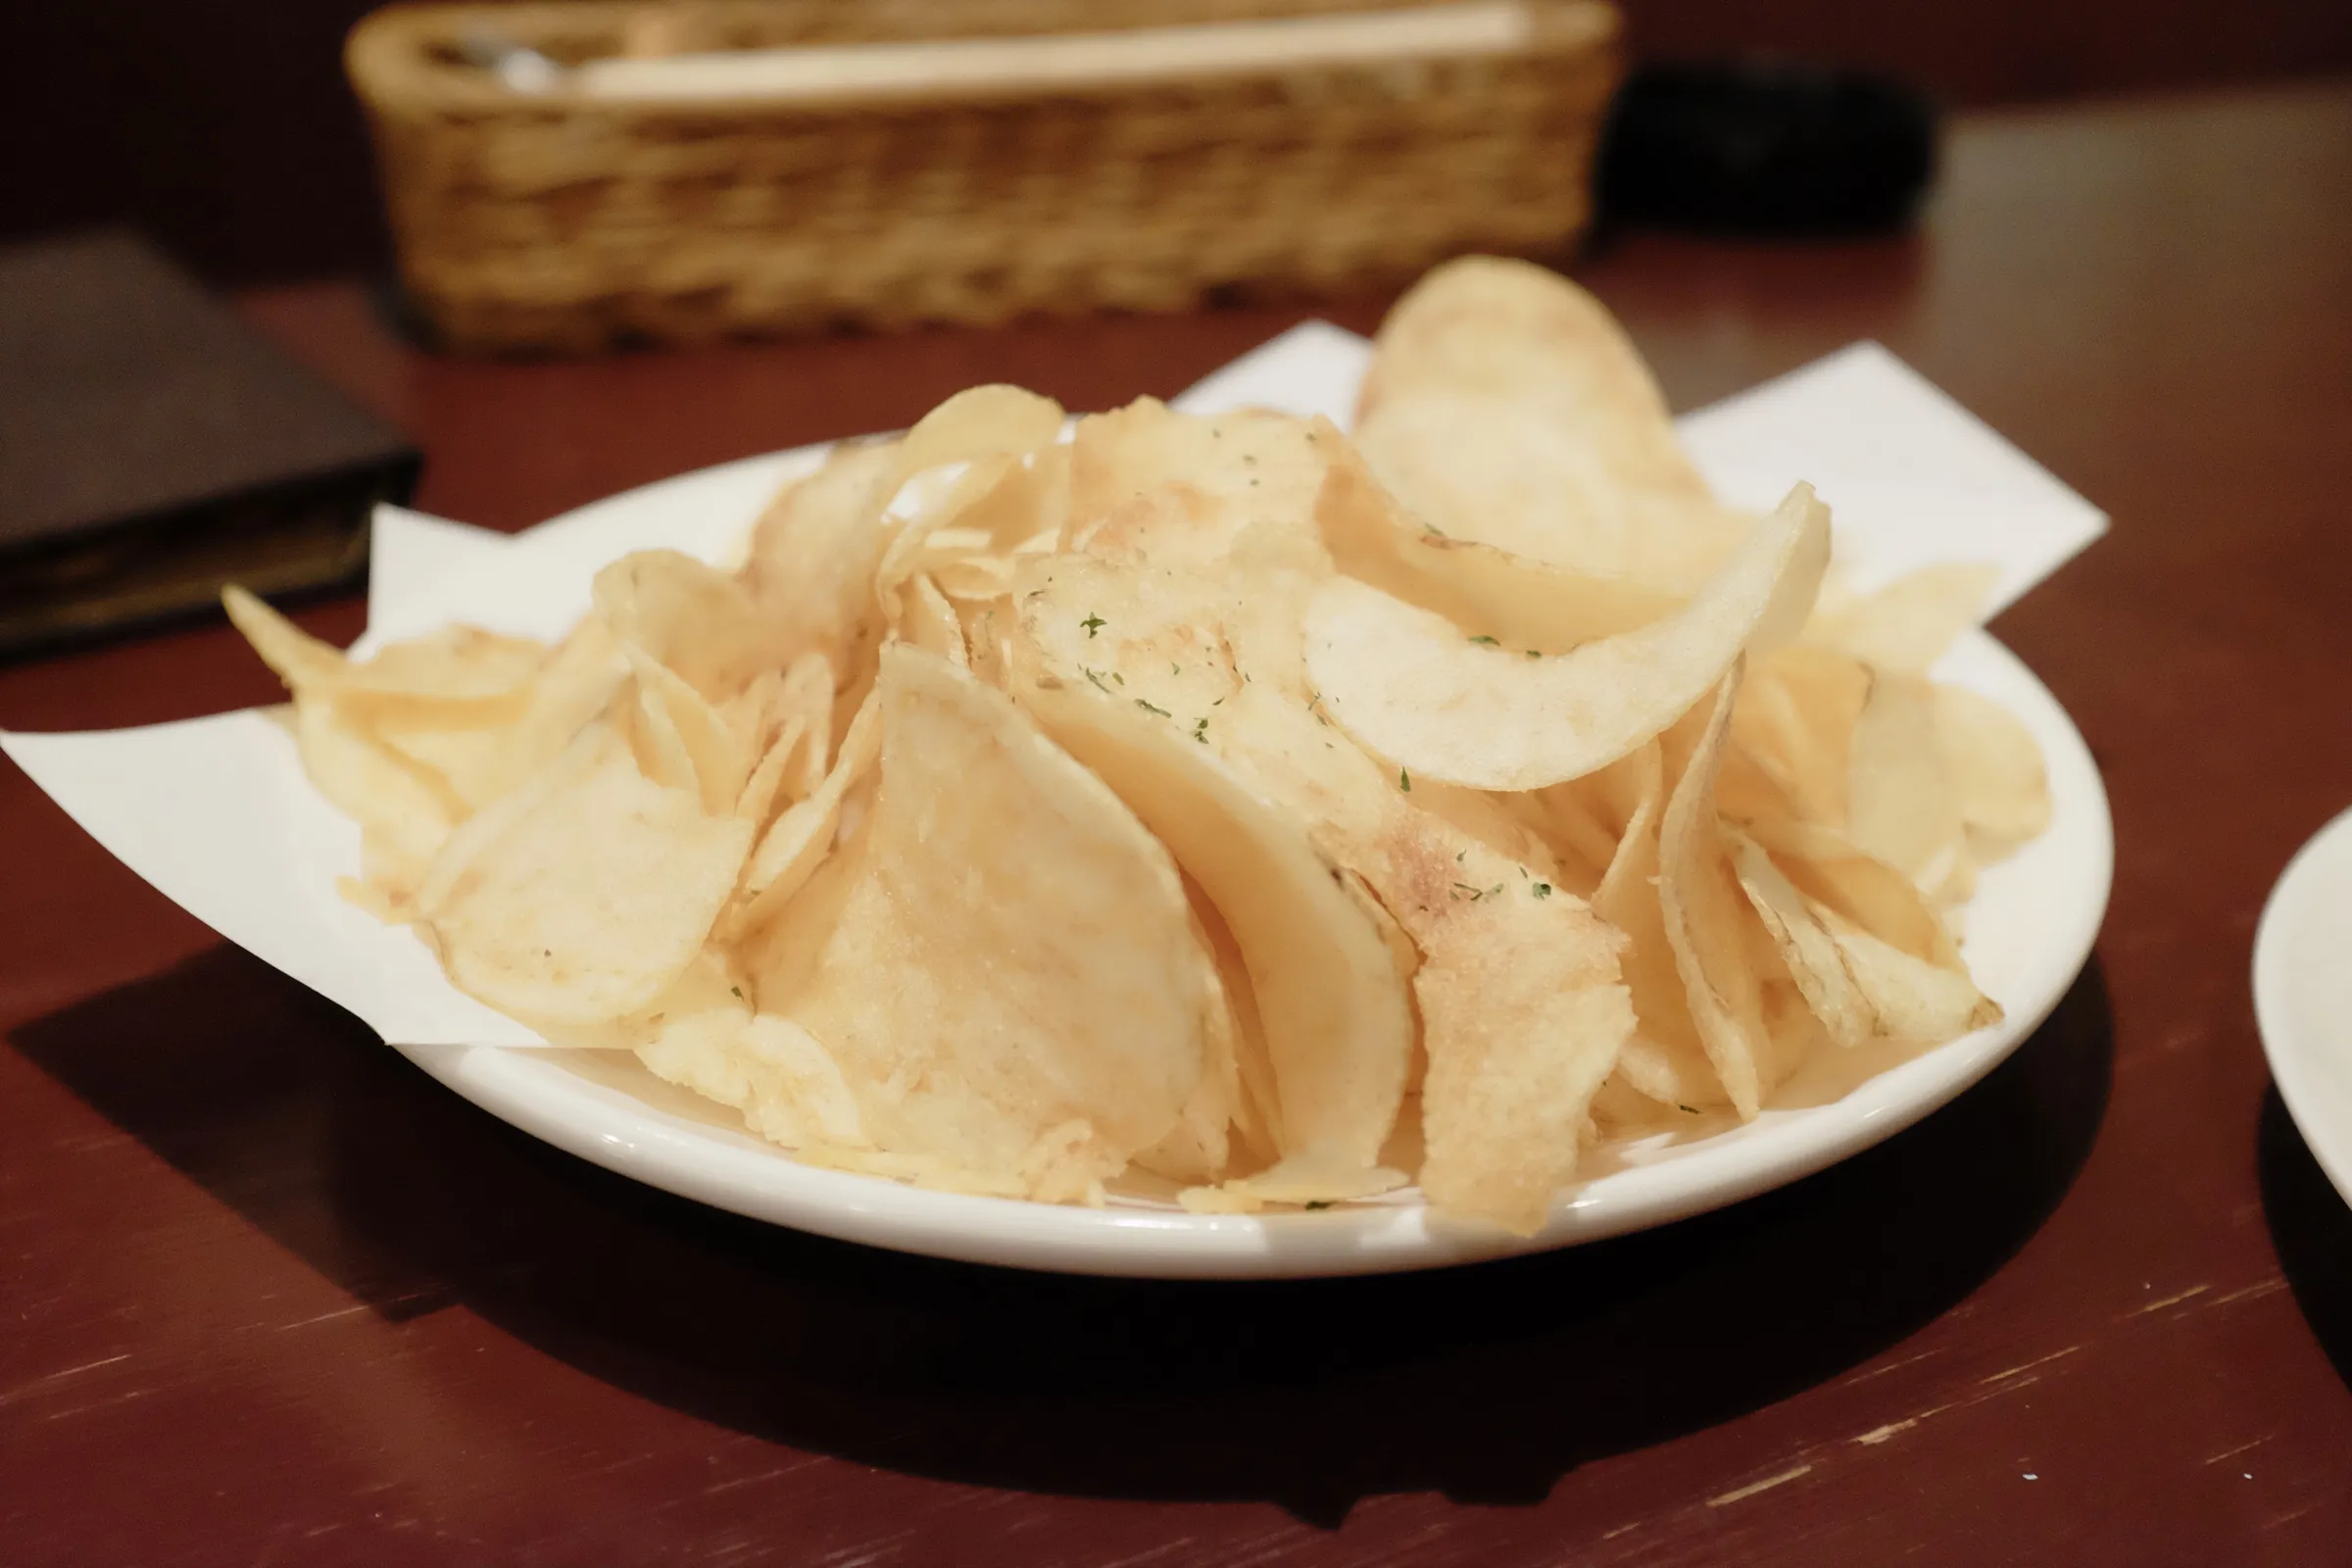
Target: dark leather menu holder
153,448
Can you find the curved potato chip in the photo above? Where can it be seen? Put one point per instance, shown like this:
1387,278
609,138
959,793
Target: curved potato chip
1863,990
404,812
1906,626
1663,1061
1996,771
1831,873
1515,601
1409,686
927,620
981,422
1492,325
798,841
1794,727
813,556
461,672
1706,918
716,766
1330,1002
1044,1013
1250,464
1529,478
582,896
1197,1147
1900,804
1506,406
697,620
787,1086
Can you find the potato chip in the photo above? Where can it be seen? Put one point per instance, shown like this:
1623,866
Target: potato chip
1413,689
1197,1147
1239,467
1906,626
1512,601
797,842
1831,873
813,556
1043,1014
404,812
699,623
1329,1000
1707,921
1505,405
1815,958
1794,727
580,896
928,621
788,1087
1997,780
458,671
697,748
1663,1060
1492,324
977,423
1900,805
1517,987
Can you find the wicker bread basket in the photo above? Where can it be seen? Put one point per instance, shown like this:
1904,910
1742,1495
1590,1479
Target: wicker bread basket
565,219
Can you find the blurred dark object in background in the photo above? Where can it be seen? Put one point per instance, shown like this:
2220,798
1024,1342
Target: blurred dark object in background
153,448
224,128
1766,147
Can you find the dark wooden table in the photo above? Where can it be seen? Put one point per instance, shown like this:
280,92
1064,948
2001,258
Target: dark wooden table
268,1294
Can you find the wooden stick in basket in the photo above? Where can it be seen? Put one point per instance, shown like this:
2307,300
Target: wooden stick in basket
1072,62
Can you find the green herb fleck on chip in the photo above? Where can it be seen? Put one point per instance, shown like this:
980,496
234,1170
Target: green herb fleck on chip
1093,624
1150,708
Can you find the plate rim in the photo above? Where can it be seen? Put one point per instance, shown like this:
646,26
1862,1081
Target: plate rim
2282,1046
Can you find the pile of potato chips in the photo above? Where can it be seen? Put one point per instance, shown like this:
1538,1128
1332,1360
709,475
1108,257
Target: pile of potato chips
1213,806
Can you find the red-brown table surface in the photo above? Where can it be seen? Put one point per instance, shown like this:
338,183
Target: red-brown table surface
269,1295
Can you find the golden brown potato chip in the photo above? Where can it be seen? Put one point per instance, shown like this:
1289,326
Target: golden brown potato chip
584,895
1043,1014
1414,690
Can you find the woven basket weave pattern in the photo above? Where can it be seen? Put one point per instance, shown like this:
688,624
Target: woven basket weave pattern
541,224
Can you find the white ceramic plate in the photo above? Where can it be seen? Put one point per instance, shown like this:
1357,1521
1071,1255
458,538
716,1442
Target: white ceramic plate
2029,932
2303,995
